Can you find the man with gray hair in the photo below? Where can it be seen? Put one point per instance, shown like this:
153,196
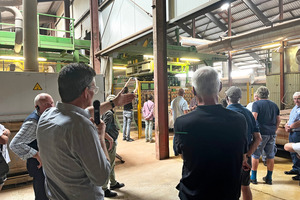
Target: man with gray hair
25,145
266,113
293,127
233,96
212,141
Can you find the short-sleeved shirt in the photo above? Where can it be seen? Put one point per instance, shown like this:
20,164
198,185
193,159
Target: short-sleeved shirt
296,147
178,105
267,112
252,126
295,116
211,140
73,160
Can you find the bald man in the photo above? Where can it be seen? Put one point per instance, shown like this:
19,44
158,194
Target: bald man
24,144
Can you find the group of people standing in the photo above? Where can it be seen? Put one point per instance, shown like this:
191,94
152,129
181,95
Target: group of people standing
232,138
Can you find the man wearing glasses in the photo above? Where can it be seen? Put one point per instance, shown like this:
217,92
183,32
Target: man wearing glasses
72,147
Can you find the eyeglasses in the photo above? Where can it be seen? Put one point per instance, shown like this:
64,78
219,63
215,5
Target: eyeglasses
94,88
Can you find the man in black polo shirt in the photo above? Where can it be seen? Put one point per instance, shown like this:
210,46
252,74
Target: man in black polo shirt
211,140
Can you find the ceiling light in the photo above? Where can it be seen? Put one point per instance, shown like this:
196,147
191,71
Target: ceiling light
148,56
190,74
119,68
225,6
18,58
241,73
190,59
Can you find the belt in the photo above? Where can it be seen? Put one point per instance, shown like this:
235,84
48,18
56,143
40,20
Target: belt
293,130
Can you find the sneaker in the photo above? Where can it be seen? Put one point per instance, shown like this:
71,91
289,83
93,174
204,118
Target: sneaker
152,141
267,181
253,181
147,140
108,193
130,140
291,172
117,186
296,178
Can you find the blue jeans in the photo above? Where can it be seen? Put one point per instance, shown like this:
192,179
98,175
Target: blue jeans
127,118
148,129
267,144
295,137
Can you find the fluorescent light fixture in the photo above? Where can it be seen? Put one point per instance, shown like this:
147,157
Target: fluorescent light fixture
18,58
225,6
250,66
148,56
270,46
42,59
190,74
190,59
11,58
241,73
119,67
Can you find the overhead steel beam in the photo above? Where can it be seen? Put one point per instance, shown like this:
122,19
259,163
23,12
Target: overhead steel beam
216,21
188,30
257,12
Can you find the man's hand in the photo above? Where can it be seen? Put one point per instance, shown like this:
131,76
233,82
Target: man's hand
123,99
101,133
287,128
245,165
110,141
6,132
37,156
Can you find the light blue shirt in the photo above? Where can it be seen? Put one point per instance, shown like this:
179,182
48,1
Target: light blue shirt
295,116
74,163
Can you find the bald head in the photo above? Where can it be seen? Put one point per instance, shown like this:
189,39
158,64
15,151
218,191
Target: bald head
43,101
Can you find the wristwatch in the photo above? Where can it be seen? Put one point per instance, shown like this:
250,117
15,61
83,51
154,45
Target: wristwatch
112,104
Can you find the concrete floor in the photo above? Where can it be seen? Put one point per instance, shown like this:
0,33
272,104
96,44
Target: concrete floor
146,178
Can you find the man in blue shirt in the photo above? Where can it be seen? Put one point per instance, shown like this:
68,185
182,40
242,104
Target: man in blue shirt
233,96
293,127
266,114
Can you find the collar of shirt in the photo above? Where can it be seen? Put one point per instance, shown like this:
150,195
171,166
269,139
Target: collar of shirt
70,107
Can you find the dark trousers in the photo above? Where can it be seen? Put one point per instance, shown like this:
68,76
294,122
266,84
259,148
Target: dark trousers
38,179
295,137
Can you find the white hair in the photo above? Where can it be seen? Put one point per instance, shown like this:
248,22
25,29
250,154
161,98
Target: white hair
39,97
206,82
296,94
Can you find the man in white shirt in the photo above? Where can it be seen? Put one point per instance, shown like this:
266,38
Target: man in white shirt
4,136
179,107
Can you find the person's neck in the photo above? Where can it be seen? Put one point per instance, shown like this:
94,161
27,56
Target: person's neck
208,100
79,103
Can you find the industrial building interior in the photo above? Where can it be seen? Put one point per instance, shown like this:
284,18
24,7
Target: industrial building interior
251,43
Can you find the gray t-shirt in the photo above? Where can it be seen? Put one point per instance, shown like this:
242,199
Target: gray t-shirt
178,105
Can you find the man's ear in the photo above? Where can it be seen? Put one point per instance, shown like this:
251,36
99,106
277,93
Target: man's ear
85,93
221,86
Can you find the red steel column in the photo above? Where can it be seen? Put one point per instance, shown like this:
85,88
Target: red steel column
95,40
160,79
67,14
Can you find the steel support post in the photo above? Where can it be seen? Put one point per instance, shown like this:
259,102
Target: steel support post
282,76
160,79
30,36
229,52
95,40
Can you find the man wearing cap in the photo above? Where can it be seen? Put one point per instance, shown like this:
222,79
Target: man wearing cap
233,96
293,127
266,114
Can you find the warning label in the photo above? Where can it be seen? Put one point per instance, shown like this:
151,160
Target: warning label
37,87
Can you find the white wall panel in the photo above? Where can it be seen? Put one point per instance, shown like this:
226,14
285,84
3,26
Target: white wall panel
183,6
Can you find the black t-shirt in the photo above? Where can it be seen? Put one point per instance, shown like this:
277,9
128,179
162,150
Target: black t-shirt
111,127
267,116
211,140
128,107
